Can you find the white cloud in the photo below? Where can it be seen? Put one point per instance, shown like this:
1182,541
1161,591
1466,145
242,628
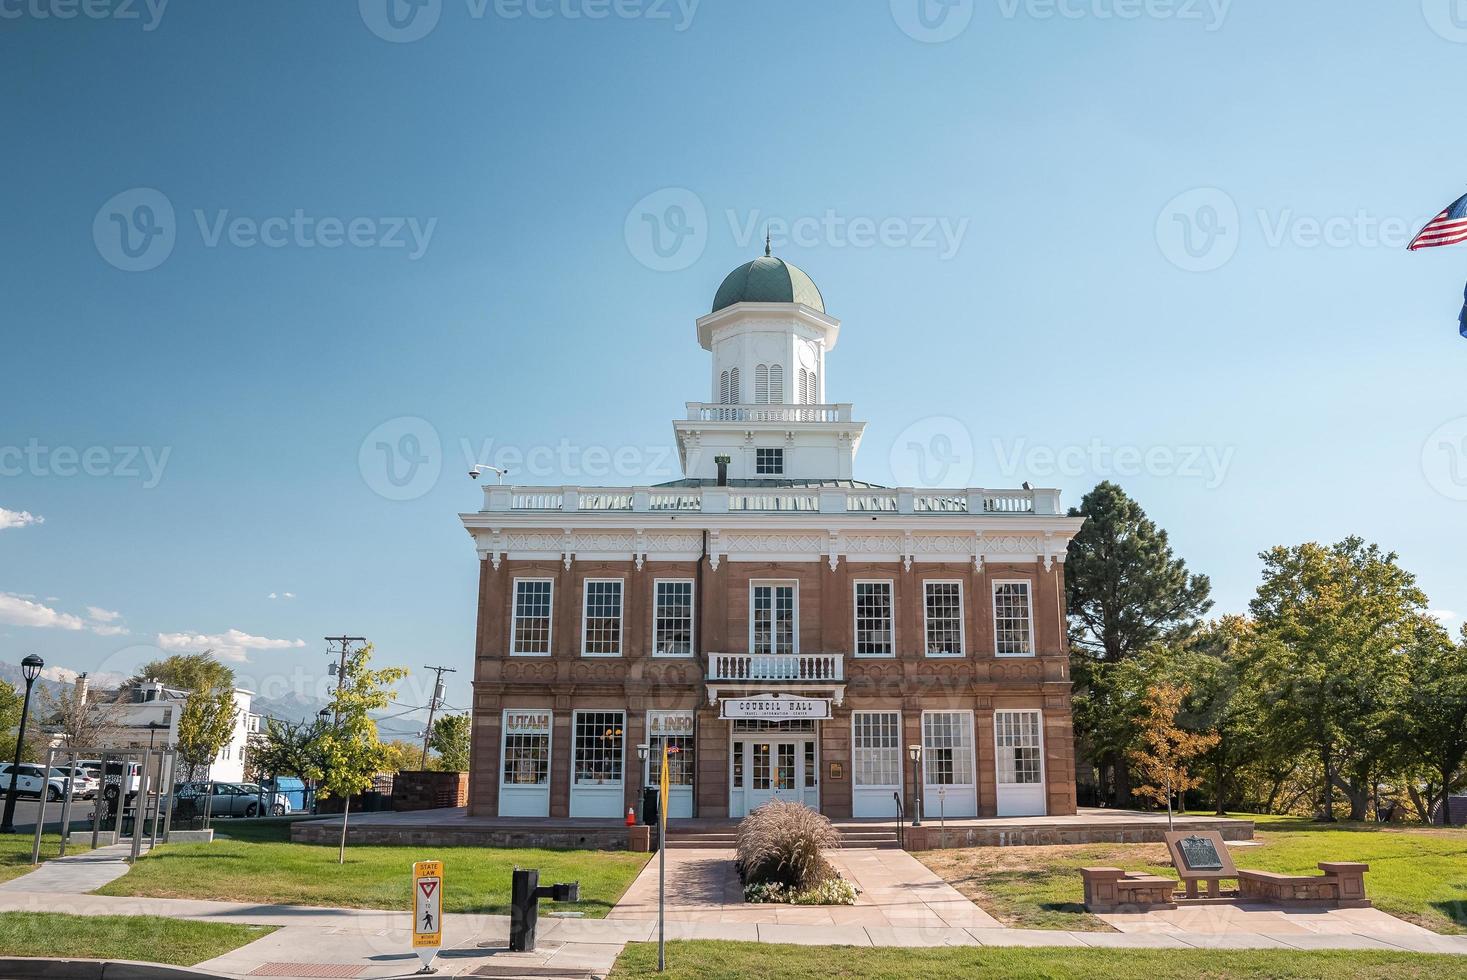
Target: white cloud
102,679
232,644
19,611
103,615
18,518
281,595
1441,615
110,630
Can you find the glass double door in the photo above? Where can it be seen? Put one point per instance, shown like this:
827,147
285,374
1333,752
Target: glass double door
770,769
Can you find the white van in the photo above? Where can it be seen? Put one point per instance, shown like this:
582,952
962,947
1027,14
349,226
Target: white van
30,780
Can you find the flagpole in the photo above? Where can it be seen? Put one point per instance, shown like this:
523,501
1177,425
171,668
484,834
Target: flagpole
662,869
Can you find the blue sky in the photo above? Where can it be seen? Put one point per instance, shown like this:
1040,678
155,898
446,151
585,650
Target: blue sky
1069,240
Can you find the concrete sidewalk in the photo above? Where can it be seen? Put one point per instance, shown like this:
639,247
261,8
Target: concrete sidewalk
76,874
376,944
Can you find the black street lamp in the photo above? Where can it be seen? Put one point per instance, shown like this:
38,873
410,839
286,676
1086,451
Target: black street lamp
914,752
30,668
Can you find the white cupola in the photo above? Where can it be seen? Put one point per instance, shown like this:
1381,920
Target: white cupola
768,335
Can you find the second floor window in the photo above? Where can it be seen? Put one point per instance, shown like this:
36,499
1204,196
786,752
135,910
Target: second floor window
773,619
601,628
530,632
873,619
944,609
768,462
1011,620
673,617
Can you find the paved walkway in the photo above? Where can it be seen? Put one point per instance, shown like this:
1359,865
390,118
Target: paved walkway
902,907
76,873
896,891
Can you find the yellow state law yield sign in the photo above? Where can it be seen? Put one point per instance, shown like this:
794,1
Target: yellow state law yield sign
427,909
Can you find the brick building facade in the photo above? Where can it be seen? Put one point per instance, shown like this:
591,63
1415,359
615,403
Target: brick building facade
790,631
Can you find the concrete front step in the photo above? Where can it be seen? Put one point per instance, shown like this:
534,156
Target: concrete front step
708,841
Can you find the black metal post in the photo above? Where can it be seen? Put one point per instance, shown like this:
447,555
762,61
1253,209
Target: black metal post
524,910
7,824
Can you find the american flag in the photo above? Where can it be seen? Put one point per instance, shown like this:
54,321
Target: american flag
1447,228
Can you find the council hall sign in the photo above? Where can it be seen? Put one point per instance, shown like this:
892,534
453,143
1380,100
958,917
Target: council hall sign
775,707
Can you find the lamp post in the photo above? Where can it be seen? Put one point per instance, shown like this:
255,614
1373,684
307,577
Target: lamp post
30,668
914,752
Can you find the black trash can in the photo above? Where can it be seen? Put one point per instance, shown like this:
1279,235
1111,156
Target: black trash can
651,805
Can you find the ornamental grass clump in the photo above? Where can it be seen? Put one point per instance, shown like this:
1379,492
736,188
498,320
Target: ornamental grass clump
780,859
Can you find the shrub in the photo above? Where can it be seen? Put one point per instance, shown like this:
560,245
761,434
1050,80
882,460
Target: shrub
781,843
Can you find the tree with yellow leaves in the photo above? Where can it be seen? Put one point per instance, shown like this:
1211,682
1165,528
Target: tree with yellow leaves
1166,748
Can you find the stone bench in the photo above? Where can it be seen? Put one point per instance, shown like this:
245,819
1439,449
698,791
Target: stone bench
1342,884
1114,890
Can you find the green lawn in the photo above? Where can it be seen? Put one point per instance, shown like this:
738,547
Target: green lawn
750,961
1416,873
178,942
15,850
252,861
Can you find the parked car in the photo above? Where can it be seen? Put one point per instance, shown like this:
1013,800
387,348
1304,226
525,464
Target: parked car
31,780
230,800
115,774
84,781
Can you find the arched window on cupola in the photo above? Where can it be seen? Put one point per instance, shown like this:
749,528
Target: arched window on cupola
814,389
761,384
723,389
776,384
734,394
801,386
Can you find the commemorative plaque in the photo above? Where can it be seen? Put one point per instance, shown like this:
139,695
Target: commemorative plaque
1200,855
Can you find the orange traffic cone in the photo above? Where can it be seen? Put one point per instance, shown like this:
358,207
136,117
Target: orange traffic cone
631,818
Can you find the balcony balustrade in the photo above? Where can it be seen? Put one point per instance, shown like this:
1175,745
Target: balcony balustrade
771,500
821,668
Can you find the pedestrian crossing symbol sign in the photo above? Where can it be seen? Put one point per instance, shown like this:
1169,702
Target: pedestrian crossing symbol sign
427,909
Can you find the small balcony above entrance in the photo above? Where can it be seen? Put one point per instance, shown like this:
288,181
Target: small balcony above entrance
800,668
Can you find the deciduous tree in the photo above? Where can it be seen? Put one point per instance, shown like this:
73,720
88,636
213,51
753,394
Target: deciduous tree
450,739
1166,748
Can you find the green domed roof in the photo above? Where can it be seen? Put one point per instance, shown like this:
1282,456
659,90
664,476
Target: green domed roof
768,280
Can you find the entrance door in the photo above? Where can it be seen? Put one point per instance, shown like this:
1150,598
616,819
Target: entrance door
772,772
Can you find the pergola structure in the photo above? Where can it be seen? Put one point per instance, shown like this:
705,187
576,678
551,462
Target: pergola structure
154,793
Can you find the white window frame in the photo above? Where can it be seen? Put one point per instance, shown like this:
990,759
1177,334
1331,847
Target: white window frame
692,616
962,619
901,752
549,747
856,617
1038,715
514,618
621,617
1029,603
575,782
775,583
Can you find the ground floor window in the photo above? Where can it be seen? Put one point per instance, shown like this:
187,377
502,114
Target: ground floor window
949,788
876,748
1018,740
598,747
673,729
524,786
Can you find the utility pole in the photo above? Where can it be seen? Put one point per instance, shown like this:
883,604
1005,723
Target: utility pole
345,642
433,703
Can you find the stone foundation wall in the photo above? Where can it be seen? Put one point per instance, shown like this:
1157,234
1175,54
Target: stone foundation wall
930,836
611,838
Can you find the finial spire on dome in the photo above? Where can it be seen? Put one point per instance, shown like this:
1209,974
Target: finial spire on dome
766,241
